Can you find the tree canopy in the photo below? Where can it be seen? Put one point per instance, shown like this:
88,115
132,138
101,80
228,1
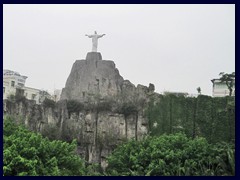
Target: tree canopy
229,79
172,155
28,153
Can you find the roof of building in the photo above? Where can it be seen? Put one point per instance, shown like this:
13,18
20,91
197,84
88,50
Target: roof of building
217,80
7,72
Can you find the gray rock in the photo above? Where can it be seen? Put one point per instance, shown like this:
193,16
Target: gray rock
92,76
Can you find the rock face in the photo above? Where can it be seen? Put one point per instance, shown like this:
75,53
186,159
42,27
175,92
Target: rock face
102,130
95,76
97,133
92,76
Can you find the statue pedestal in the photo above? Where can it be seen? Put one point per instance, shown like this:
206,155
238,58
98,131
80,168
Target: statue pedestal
94,56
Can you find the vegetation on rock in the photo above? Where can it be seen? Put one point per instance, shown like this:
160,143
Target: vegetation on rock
49,103
74,106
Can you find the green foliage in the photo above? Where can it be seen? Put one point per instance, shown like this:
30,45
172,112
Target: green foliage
49,103
11,98
69,132
52,132
202,116
28,153
104,105
128,108
93,170
74,106
199,90
20,98
99,103
151,87
172,155
229,79
17,98
223,119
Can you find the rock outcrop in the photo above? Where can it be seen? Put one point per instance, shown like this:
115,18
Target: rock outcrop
95,76
92,76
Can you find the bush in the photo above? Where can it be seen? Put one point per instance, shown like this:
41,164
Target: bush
104,106
52,132
74,106
128,108
172,155
49,103
20,98
17,98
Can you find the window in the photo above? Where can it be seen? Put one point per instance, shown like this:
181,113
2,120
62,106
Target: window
33,96
3,90
12,83
20,84
19,92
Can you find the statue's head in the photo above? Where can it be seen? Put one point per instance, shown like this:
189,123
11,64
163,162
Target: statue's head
95,32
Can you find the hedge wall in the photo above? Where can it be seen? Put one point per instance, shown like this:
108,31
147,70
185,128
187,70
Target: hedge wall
212,118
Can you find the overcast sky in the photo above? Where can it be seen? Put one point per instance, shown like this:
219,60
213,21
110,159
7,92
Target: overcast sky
175,47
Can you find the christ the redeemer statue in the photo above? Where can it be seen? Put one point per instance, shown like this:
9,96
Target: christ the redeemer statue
95,37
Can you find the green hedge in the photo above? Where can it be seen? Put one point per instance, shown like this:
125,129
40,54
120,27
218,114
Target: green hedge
212,118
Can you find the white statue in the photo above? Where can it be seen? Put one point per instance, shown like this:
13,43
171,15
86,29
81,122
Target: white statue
95,37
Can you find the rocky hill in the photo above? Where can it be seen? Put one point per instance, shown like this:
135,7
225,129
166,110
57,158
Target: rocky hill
96,76
97,107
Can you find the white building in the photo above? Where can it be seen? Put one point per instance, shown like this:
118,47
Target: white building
14,83
11,81
220,89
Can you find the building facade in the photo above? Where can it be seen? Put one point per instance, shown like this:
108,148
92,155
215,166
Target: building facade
220,89
11,82
14,84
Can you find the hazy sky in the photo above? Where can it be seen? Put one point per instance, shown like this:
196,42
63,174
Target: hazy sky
175,47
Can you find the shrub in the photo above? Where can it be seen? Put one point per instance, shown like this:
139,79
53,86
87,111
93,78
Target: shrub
74,106
49,103
128,108
17,98
20,98
104,106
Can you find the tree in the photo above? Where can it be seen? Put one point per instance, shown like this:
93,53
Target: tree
28,153
229,79
199,90
172,155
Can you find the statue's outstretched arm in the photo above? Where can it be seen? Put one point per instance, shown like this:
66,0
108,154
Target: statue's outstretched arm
88,35
101,35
